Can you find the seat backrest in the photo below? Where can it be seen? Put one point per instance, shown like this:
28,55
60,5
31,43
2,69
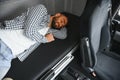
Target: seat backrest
96,21
99,33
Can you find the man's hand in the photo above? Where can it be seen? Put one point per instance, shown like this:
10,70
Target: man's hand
50,37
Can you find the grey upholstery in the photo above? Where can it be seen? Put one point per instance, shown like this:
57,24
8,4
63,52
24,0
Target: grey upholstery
96,42
98,25
95,20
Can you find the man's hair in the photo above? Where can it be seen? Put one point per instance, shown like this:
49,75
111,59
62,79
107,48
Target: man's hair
71,18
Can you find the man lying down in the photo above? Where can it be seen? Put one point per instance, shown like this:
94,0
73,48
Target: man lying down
18,37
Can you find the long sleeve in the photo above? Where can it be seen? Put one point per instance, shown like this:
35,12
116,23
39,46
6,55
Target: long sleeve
16,23
60,34
36,20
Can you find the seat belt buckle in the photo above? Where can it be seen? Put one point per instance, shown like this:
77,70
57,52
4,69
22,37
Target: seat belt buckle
93,74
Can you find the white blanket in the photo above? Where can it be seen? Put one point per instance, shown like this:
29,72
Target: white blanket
17,41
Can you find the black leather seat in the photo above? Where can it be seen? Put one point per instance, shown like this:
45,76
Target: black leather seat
96,42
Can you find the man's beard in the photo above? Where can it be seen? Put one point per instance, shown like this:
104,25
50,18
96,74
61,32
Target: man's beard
53,24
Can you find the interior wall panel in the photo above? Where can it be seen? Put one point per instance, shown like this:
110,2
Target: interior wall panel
59,5
50,5
68,6
75,6
13,8
78,6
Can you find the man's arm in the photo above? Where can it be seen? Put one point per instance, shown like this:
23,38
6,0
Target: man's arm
15,23
50,37
33,22
60,34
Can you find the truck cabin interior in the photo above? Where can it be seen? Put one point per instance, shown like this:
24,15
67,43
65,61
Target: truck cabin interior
91,50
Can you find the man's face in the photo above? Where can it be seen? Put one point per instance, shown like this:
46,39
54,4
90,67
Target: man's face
59,20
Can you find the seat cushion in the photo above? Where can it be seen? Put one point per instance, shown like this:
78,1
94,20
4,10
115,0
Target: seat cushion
108,65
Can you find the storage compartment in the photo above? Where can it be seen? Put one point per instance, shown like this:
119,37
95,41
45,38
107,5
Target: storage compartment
71,74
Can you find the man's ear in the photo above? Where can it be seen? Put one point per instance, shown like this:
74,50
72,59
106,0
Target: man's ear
57,14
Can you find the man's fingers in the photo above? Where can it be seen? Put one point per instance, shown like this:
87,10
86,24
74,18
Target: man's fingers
50,37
